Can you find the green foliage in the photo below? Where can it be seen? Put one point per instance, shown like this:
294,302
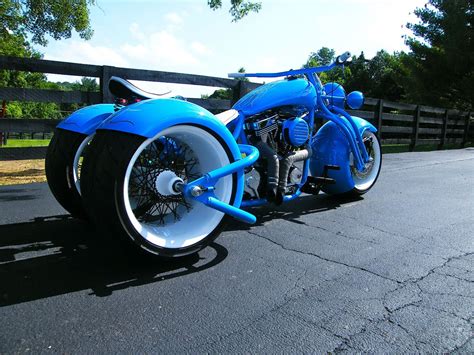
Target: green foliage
33,110
42,18
225,94
238,8
441,62
325,56
86,84
384,76
380,77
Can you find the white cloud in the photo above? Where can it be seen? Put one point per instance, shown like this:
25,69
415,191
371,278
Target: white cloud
174,18
135,32
84,52
160,50
200,48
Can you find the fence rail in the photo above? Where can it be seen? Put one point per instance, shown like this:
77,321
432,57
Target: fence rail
396,122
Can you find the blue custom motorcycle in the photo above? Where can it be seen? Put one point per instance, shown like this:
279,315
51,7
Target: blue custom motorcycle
166,174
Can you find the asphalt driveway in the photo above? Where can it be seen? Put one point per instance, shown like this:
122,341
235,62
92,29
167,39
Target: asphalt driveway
391,272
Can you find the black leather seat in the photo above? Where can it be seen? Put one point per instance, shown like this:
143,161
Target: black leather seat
124,89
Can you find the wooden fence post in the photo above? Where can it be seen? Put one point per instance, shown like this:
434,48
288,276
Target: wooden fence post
104,84
3,136
236,92
239,90
379,117
416,126
444,130
465,138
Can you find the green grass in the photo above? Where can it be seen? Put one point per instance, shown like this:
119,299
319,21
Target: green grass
25,143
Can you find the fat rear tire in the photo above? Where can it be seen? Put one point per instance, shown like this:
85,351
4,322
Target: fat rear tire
105,170
59,164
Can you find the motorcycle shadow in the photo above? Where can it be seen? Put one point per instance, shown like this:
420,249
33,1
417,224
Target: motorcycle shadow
58,255
291,211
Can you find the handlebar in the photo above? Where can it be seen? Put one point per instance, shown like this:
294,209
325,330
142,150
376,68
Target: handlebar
236,75
340,60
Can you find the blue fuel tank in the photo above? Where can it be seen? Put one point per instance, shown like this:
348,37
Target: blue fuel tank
287,92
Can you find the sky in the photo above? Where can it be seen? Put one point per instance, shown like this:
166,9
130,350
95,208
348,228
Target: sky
186,36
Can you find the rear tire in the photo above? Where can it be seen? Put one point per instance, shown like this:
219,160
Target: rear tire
126,193
62,165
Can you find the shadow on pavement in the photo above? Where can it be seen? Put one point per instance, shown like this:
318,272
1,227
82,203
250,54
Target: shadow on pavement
290,211
58,255
8,195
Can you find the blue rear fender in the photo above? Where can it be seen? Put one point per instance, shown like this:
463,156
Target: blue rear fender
149,118
87,119
330,147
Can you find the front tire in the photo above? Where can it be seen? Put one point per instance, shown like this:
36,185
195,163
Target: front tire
127,188
365,180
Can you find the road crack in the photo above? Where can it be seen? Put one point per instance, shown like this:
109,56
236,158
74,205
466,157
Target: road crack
324,259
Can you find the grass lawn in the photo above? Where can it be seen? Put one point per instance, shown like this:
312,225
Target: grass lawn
24,143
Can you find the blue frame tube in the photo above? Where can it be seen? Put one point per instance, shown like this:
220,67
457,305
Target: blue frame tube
349,129
207,182
239,126
251,157
348,132
264,201
303,71
365,155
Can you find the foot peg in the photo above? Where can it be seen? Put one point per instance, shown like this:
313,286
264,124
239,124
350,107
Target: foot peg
314,183
321,180
330,167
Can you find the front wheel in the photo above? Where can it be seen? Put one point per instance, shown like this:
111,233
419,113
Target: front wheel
363,181
128,188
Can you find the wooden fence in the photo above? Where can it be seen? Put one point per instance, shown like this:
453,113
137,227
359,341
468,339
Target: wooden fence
397,122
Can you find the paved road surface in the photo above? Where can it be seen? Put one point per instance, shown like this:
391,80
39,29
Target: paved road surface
392,272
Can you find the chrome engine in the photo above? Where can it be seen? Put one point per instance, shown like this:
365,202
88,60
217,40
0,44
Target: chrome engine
280,136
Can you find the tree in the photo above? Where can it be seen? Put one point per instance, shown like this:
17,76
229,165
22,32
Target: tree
225,94
380,77
323,56
441,61
326,56
238,8
42,18
59,18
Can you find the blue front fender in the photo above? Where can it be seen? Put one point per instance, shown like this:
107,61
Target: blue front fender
363,125
87,119
330,147
149,118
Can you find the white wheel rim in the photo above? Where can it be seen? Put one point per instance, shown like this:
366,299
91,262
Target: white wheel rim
197,223
76,173
367,178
